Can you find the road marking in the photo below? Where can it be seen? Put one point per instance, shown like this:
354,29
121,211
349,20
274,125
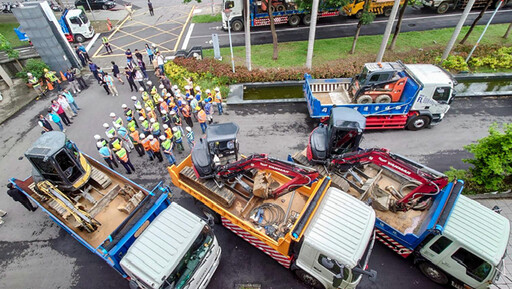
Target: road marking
112,34
187,38
92,41
186,22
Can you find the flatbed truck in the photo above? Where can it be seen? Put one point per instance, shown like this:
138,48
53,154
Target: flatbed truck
144,236
379,7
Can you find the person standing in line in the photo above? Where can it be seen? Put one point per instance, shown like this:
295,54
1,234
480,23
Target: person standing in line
167,147
139,77
50,75
71,100
149,51
124,158
150,7
57,108
155,127
155,147
80,55
108,48
110,83
35,85
18,196
190,137
44,124
185,111
2,215
84,52
201,117
56,119
115,72
103,141
208,109
178,139
72,81
218,100
65,105
130,77
160,60
145,143
167,84
194,104
78,75
144,124
94,69
106,154
122,132
136,141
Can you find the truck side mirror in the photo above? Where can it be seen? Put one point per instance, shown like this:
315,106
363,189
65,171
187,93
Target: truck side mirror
229,4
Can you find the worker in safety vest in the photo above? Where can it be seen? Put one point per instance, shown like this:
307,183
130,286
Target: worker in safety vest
122,132
176,120
113,141
162,105
106,154
124,158
101,140
178,138
108,48
136,141
144,124
190,137
141,111
50,75
34,82
193,105
136,102
166,119
154,144
128,112
167,131
218,100
185,111
155,128
208,109
116,119
150,113
201,117
109,130
144,140
167,147
131,123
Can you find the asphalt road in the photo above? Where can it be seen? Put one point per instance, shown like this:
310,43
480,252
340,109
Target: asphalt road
415,19
36,253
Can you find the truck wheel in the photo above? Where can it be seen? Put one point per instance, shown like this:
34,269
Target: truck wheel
364,99
306,20
433,273
294,20
104,7
280,8
209,213
387,12
237,26
442,8
418,122
359,14
385,98
308,279
79,38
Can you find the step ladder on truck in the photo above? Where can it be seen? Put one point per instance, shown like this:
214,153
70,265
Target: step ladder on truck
281,208
152,242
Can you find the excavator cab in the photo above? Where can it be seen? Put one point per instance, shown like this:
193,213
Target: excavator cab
343,134
58,160
218,148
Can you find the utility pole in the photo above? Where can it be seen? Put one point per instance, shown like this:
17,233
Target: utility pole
247,35
312,32
387,32
456,32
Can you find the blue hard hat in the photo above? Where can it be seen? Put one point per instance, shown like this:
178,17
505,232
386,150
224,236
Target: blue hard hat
179,102
128,118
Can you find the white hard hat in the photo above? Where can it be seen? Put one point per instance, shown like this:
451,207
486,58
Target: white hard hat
160,99
162,111
174,87
141,118
151,136
149,82
152,120
138,106
187,87
110,135
175,129
141,89
148,108
207,91
188,128
124,106
97,137
172,112
162,137
217,89
153,44
106,125
161,86
198,88
165,126
168,94
29,74
142,135
112,114
134,98
99,144
178,91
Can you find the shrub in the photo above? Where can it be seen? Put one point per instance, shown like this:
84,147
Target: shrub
34,66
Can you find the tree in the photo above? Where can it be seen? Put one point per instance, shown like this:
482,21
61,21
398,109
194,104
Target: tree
475,22
398,25
270,10
365,19
5,46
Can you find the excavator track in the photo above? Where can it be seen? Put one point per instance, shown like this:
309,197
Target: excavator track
337,180
223,196
99,179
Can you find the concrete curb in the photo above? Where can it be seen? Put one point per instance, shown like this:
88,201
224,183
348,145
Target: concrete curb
490,196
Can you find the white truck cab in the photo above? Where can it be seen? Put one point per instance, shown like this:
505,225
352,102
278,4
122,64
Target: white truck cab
334,259
78,25
470,251
177,250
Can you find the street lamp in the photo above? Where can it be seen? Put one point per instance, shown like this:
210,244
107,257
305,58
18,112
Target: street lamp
227,12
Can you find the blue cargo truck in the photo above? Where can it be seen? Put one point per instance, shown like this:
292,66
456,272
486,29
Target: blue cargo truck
391,95
149,240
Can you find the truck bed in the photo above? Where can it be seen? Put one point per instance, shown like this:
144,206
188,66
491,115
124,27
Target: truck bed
106,213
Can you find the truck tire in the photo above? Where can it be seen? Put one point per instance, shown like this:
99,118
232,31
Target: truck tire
237,25
280,8
364,99
418,122
294,20
104,7
433,273
385,98
443,7
209,213
308,279
387,11
79,38
306,20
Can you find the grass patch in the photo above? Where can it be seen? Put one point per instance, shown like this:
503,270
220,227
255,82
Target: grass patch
293,54
207,18
7,30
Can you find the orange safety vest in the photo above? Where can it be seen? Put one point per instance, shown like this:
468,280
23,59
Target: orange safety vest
218,97
142,112
168,133
155,145
186,111
163,106
145,144
122,154
135,136
201,116
151,114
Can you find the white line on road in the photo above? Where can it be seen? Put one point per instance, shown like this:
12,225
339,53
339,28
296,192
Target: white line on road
92,41
187,38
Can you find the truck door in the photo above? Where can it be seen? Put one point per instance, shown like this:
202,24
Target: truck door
327,268
441,96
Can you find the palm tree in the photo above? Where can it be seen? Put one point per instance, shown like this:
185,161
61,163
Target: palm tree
398,25
366,18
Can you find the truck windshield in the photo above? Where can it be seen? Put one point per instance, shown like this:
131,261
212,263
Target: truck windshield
83,17
191,260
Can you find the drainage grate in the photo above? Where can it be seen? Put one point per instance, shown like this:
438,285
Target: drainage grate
248,286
